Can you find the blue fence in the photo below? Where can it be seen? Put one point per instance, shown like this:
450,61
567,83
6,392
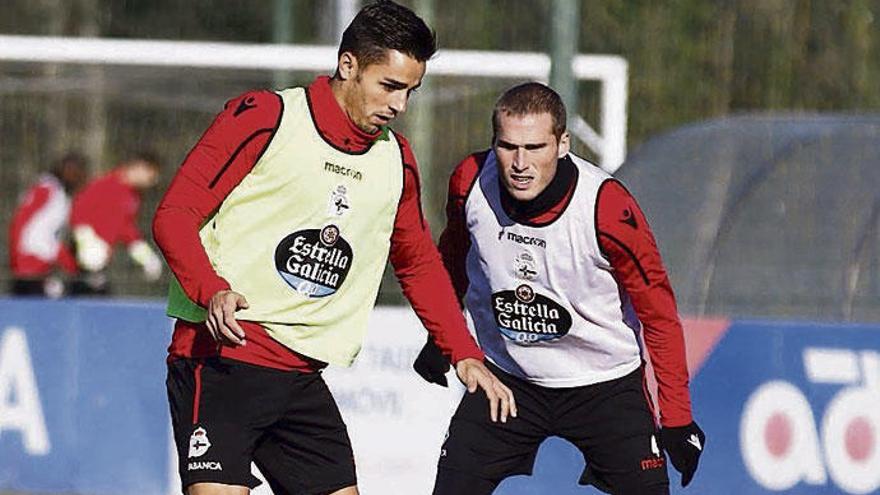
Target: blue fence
787,407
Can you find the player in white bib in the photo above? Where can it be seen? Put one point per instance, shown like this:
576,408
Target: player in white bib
560,273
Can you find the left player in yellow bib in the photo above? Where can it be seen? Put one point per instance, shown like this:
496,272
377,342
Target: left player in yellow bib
277,228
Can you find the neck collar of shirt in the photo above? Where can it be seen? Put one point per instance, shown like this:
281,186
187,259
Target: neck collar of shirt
551,198
333,123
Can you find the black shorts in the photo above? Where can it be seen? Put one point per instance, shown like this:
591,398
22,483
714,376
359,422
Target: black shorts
227,414
611,423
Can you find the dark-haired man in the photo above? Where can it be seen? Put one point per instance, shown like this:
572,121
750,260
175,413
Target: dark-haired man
38,228
277,227
557,267
104,214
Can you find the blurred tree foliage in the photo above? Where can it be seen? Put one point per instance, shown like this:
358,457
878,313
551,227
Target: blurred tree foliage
689,60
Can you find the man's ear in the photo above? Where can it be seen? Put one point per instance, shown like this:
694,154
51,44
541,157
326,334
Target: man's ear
347,66
564,144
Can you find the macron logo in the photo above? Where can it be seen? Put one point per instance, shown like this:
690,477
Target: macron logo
695,441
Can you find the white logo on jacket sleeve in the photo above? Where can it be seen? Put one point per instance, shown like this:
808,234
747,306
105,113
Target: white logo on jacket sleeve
695,441
199,443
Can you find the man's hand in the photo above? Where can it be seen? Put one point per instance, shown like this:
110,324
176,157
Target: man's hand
684,444
221,317
473,373
431,364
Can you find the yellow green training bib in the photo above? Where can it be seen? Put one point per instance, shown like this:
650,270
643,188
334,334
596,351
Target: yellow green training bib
305,237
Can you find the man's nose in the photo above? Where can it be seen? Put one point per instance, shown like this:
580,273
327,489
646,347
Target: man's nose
519,159
398,102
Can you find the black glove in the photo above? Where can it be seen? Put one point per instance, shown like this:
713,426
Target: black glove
431,364
684,444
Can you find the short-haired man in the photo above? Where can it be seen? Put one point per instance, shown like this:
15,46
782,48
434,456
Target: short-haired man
104,214
38,230
277,227
557,267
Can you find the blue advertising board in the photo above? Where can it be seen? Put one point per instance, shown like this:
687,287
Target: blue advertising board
82,397
791,407
788,407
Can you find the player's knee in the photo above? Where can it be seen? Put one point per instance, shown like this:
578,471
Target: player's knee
452,482
641,489
216,489
349,490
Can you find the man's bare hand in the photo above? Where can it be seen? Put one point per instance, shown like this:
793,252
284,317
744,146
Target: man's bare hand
221,317
473,374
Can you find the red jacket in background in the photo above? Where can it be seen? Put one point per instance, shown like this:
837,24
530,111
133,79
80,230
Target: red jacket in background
110,207
38,223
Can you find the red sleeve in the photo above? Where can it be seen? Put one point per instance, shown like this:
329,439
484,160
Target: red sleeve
129,229
35,199
626,240
224,155
418,266
455,242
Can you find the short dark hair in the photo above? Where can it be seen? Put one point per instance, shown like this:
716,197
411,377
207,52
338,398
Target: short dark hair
529,99
71,159
385,25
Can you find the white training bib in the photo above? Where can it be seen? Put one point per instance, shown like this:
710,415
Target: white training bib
543,302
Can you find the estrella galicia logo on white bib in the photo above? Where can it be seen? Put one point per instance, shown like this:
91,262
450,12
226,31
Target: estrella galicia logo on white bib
314,262
199,443
526,317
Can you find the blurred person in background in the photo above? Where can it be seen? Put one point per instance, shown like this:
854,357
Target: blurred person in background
104,214
277,227
37,233
559,270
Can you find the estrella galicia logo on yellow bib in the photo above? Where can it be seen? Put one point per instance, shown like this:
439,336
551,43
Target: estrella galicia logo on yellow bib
314,262
526,317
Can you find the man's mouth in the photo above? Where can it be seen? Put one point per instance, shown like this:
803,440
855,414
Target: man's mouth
521,181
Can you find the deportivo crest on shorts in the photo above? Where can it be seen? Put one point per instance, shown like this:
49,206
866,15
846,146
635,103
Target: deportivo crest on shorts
199,443
314,262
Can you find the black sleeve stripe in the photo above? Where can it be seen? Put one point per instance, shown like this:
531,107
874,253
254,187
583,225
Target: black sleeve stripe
596,210
629,252
415,175
251,138
235,155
